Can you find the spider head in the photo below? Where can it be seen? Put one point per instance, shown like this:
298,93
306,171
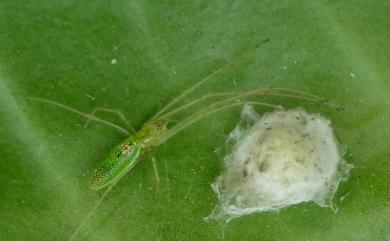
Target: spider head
151,131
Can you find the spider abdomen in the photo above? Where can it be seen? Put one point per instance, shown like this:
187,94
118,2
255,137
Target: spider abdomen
121,159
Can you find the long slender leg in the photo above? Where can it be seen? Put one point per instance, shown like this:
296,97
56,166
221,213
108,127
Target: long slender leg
203,113
198,100
155,169
150,152
85,115
89,215
269,91
236,101
201,82
117,112
195,101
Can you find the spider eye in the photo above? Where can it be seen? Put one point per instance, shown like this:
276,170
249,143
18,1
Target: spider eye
159,125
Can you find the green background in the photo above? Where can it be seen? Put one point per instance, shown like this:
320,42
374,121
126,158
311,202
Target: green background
62,50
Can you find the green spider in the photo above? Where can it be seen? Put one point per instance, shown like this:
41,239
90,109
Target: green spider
125,155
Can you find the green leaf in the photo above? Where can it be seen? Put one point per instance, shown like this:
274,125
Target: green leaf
66,51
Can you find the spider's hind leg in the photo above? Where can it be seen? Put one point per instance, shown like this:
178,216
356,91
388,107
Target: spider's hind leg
80,113
117,112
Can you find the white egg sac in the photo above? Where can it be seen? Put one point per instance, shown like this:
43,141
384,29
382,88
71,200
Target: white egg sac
279,159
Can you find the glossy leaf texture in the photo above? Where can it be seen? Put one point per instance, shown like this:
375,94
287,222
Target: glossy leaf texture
134,56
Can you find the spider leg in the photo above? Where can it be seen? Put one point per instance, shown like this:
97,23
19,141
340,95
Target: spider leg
204,80
117,112
85,115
